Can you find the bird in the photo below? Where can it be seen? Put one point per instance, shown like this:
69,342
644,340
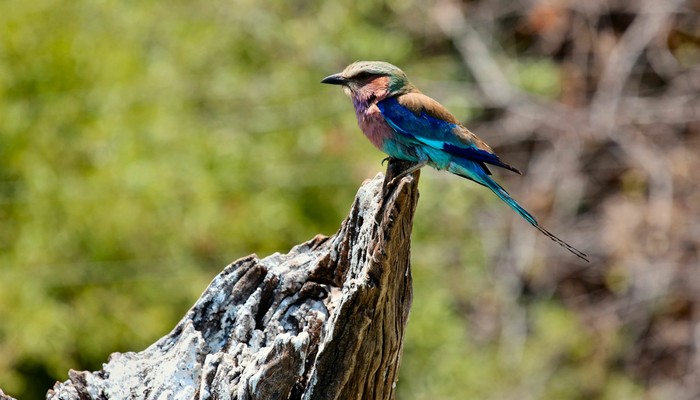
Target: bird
408,125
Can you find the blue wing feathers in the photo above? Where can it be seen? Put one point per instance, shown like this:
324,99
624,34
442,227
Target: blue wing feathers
435,133
473,153
423,126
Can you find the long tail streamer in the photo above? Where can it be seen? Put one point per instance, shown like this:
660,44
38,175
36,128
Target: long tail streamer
472,171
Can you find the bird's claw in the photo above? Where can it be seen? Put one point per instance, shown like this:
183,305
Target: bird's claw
385,160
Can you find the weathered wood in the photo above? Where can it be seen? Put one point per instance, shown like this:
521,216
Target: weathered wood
325,321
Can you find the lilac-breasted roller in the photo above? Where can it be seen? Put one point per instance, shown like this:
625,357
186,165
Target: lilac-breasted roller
406,124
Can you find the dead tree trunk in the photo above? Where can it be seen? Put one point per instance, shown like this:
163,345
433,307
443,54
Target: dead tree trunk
325,321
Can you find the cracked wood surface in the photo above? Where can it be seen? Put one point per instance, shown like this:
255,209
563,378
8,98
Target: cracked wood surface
324,321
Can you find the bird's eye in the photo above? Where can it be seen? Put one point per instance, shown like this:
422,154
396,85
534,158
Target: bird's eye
362,75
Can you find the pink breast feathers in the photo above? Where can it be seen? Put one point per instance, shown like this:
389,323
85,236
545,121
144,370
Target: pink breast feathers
374,126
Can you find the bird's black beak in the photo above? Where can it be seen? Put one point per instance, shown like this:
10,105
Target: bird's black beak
336,79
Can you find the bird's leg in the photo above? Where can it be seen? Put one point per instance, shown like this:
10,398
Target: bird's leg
407,171
395,167
411,170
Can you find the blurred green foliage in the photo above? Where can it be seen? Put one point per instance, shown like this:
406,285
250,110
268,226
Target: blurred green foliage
144,145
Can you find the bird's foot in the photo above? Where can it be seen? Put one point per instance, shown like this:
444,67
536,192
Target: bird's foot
412,169
395,180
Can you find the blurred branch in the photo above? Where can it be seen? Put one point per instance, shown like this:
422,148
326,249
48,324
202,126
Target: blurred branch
494,85
652,17
475,54
325,321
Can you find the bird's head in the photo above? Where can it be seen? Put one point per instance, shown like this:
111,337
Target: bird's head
371,80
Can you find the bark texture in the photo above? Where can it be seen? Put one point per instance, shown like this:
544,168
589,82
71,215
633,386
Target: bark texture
325,321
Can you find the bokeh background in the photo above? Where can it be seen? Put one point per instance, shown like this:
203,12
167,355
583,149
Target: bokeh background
144,145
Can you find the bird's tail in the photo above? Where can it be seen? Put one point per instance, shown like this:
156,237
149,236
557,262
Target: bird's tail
472,171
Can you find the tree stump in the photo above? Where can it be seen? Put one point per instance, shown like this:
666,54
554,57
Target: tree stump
325,321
